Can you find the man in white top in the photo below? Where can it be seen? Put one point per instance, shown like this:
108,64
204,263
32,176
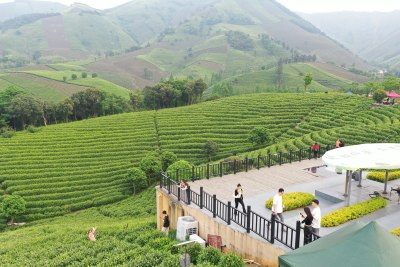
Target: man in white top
316,213
277,204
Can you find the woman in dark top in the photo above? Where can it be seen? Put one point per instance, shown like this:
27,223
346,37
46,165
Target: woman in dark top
307,220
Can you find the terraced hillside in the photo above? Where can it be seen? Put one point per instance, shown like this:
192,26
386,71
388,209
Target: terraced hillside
72,166
126,236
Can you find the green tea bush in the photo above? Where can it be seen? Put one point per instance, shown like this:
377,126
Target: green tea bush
167,159
211,255
231,260
180,164
381,176
293,200
194,250
32,129
346,214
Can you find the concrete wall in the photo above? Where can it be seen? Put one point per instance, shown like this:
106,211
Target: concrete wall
237,241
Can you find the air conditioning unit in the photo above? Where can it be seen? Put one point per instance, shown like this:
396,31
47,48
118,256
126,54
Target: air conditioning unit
186,226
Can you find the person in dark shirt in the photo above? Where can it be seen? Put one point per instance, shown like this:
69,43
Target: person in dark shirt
165,226
238,196
307,220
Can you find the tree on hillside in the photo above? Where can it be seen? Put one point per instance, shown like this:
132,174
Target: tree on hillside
259,136
65,109
279,74
379,95
151,165
24,110
136,100
168,158
84,75
74,76
307,80
13,206
210,148
391,83
137,178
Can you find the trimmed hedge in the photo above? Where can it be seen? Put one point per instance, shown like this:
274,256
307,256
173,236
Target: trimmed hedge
381,176
346,214
293,200
396,231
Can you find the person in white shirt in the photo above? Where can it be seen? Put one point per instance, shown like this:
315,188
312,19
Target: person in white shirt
277,204
316,213
238,195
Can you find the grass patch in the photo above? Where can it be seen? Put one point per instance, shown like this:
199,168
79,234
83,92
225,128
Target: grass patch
358,210
293,200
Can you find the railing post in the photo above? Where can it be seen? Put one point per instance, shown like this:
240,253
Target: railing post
269,160
188,195
179,193
161,180
214,206
192,173
280,158
386,181
229,213
290,156
272,228
169,185
201,197
220,169
247,163
258,162
208,170
298,231
309,153
300,154
248,219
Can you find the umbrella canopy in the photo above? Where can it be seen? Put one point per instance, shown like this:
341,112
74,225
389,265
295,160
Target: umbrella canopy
354,245
392,94
367,156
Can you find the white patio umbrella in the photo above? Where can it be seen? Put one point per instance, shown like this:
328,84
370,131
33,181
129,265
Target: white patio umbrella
383,156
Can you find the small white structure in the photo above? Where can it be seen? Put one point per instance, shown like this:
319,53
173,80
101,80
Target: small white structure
186,226
383,156
197,239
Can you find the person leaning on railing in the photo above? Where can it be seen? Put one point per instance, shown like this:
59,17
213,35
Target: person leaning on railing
307,220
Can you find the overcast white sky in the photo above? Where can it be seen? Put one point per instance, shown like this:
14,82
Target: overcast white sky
307,6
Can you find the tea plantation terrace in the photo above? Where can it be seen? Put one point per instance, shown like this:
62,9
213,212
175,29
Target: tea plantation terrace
67,167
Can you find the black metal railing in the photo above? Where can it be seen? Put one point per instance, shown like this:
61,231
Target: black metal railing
243,165
268,229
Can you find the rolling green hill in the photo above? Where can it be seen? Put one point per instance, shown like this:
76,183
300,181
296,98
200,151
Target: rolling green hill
49,85
292,80
68,167
126,236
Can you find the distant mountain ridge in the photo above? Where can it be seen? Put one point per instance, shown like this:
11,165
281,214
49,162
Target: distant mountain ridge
372,35
22,7
140,42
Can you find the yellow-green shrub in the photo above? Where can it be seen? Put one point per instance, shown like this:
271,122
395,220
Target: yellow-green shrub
345,214
293,200
396,231
381,176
